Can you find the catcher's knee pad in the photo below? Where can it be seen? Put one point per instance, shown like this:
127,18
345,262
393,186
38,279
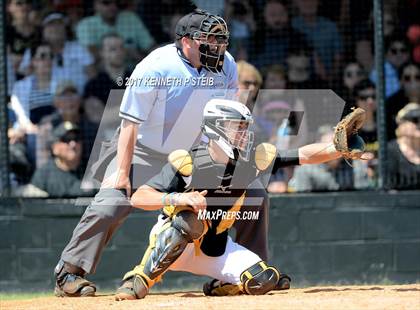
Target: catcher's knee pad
189,225
259,279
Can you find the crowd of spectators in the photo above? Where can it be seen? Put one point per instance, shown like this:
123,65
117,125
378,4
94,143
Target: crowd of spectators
64,57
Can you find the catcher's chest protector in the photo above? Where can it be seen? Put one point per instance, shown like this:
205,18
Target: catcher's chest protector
226,186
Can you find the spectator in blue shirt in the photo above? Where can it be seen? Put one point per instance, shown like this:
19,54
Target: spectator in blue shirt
323,34
397,54
274,38
109,18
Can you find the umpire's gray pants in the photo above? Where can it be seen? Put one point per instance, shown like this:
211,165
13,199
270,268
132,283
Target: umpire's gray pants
107,212
101,219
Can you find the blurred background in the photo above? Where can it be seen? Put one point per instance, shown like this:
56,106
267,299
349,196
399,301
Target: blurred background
61,59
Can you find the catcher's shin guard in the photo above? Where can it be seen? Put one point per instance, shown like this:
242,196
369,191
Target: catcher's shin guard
259,279
165,247
70,281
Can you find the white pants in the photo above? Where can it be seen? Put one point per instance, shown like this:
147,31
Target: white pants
227,267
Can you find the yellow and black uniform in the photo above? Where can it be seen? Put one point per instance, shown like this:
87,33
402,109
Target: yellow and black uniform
181,232
225,184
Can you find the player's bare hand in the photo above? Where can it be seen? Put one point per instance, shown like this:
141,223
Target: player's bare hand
118,180
196,200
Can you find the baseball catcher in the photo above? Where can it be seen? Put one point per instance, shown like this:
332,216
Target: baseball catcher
213,179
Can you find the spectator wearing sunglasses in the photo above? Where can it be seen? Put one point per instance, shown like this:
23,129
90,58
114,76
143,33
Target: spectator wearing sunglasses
58,177
353,73
404,151
109,18
409,76
68,105
32,96
397,53
250,82
365,98
71,60
365,175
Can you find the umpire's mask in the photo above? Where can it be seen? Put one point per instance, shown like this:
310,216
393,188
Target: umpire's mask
212,34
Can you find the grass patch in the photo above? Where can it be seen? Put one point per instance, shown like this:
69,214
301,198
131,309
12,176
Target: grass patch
22,296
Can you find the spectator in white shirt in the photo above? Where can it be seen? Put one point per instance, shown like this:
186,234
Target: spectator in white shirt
32,96
71,60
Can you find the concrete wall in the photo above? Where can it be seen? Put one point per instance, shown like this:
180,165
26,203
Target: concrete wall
363,237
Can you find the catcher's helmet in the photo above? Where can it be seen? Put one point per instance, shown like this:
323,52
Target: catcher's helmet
227,122
212,33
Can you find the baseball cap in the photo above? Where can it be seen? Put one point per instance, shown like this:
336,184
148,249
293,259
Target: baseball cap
65,131
53,17
275,105
410,113
194,21
65,86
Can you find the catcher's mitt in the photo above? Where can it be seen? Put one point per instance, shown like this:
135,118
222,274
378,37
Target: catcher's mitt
346,139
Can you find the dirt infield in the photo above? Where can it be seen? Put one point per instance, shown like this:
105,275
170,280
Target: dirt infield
332,297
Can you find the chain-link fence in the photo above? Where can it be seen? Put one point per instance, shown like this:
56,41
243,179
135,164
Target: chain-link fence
62,59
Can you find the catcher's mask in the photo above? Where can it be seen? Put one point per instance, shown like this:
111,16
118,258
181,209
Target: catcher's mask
212,34
227,123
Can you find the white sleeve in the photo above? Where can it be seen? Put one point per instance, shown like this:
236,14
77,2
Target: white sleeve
140,94
21,112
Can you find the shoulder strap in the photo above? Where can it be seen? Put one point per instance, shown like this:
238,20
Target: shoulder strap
201,157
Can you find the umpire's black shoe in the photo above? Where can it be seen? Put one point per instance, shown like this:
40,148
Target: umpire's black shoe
70,282
283,283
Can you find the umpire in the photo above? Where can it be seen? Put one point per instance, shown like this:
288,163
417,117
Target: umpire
161,111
